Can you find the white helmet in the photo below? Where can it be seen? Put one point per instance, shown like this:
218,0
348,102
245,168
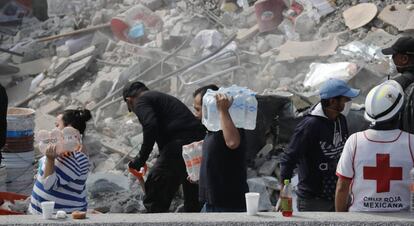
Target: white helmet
384,101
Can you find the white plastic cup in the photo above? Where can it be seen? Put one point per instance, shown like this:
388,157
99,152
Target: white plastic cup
48,209
252,203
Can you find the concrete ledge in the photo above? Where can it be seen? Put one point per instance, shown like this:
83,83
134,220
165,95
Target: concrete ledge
187,219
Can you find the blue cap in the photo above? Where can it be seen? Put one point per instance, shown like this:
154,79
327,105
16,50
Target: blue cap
336,87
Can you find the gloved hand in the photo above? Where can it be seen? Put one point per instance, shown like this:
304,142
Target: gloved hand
136,164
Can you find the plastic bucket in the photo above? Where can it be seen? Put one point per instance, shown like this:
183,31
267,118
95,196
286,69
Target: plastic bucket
20,126
269,14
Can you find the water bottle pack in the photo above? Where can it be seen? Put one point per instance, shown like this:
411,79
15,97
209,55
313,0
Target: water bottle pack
66,140
243,110
192,154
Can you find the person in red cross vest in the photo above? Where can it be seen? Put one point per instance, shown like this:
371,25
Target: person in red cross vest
375,164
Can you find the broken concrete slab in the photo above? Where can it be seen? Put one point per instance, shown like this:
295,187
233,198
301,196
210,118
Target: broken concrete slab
60,65
359,15
44,121
380,38
84,97
101,89
365,80
398,16
6,69
73,70
268,167
293,50
118,147
63,51
275,41
82,54
19,92
33,67
101,182
50,107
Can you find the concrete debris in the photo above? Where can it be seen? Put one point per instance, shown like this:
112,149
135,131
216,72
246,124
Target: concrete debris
73,70
207,41
84,52
119,182
399,16
360,15
50,107
268,167
293,50
324,7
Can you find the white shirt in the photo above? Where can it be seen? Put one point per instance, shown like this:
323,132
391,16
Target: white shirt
378,162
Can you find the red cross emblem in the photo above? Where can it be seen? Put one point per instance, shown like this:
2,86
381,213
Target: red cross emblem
382,173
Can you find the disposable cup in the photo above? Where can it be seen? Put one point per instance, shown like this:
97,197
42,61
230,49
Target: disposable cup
252,203
48,209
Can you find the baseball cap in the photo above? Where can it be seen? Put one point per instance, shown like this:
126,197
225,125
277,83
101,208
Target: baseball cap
336,87
130,89
403,45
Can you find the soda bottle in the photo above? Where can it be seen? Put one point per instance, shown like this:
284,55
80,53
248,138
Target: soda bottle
412,190
286,199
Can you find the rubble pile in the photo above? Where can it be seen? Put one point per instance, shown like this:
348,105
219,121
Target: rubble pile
83,54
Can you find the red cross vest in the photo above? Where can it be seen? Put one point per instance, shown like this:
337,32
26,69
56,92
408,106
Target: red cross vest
381,173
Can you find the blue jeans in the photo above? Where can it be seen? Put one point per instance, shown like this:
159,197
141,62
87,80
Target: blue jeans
207,208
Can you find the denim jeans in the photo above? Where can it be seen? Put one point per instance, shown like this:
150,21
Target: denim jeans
207,208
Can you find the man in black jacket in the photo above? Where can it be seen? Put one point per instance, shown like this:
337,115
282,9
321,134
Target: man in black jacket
316,146
402,52
169,123
3,117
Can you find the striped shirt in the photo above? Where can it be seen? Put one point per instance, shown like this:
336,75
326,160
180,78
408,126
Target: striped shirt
66,186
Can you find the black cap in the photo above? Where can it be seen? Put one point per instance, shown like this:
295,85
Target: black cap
131,89
404,45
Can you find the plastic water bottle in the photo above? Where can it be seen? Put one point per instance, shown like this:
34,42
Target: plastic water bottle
211,118
237,109
286,199
251,112
412,191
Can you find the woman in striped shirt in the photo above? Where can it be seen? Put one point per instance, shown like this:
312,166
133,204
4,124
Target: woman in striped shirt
62,178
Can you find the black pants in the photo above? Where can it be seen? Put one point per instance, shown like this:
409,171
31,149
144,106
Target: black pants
165,178
315,204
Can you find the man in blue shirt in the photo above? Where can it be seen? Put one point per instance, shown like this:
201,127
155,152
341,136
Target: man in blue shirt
316,146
